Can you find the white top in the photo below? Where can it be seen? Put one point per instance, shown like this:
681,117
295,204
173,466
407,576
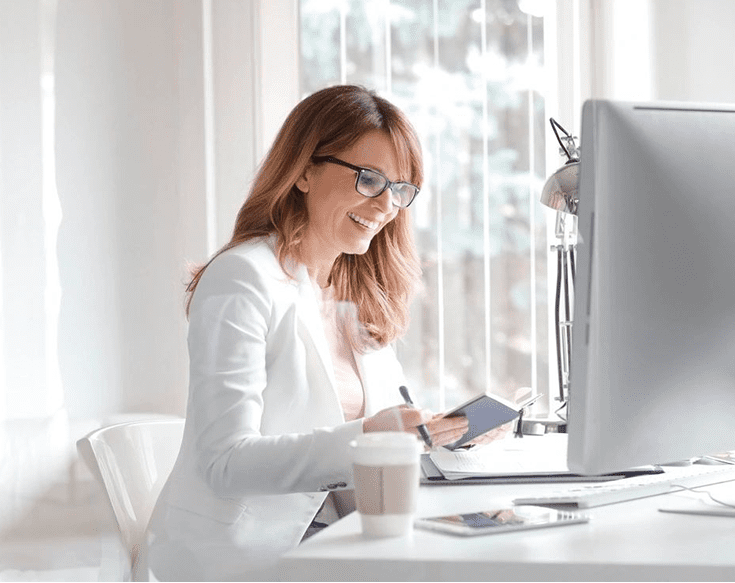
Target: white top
335,317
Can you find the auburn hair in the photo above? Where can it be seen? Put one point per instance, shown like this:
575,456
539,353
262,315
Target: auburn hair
380,282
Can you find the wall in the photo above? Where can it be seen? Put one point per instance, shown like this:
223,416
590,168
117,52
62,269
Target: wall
676,50
694,50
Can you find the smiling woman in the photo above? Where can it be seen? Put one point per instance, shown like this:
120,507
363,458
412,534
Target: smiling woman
289,342
349,122
342,219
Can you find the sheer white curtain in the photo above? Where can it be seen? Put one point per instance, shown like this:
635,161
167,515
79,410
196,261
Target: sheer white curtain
129,133
29,213
33,421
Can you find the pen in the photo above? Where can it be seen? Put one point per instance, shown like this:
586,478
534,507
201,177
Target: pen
421,428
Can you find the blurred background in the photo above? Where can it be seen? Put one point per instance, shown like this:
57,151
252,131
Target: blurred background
130,131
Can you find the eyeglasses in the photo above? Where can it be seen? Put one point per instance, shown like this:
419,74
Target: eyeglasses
372,183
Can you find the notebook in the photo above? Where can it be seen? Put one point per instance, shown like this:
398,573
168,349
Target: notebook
512,460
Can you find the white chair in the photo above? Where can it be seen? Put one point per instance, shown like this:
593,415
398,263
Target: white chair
132,461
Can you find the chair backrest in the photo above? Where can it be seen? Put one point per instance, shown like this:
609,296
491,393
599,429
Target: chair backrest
133,460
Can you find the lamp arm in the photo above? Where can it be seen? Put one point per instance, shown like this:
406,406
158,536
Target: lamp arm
573,263
568,313
554,125
557,317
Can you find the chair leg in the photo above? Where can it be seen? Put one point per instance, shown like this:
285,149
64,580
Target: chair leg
139,564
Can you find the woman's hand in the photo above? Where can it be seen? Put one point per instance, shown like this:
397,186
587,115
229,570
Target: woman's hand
443,430
447,430
493,434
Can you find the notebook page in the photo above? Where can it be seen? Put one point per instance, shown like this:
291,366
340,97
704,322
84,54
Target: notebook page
529,455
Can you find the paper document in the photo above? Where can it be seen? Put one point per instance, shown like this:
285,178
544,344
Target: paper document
529,455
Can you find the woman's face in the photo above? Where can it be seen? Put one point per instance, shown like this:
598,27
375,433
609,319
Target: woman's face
341,220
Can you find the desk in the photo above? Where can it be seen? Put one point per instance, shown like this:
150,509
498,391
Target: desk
626,541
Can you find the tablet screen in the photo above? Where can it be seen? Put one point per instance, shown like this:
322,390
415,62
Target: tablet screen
501,520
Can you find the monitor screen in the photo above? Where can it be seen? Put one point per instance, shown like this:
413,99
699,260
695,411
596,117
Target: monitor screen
653,359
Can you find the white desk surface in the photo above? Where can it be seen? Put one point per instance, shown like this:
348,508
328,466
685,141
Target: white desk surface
626,541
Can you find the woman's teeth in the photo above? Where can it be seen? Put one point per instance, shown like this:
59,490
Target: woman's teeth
369,224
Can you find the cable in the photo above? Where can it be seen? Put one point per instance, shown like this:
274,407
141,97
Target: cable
715,500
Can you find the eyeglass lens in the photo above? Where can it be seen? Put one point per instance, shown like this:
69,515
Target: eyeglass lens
372,184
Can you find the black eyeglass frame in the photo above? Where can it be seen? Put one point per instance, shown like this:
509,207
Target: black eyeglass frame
360,170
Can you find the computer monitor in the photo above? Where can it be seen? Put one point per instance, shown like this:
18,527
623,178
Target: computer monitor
653,359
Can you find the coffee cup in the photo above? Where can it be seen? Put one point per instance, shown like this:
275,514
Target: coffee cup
386,474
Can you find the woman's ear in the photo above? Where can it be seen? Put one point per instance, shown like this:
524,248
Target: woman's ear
303,182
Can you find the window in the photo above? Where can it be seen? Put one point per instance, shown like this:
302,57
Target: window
469,75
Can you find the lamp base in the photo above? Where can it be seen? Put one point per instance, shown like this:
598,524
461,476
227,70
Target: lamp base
543,426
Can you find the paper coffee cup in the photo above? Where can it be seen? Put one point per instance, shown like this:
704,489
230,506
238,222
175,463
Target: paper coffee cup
386,475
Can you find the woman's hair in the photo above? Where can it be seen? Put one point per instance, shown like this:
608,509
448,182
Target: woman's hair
379,283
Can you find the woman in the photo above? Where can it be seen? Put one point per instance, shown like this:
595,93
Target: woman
289,341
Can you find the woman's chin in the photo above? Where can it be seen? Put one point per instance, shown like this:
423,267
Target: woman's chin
359,247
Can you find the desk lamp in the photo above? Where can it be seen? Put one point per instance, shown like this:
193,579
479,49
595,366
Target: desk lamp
561,194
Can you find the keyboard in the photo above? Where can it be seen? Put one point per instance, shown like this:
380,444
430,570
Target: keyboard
599,494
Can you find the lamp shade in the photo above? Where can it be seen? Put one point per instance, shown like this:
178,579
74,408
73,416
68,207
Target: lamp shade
561,191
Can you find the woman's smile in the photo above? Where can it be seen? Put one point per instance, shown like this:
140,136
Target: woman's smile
371,225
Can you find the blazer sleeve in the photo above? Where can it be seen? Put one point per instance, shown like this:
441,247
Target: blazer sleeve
230,315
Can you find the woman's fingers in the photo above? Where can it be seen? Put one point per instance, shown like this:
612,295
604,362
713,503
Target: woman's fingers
446,430
492,435
442,430
400,418
413,417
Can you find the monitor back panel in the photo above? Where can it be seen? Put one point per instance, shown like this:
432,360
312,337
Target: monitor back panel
653,367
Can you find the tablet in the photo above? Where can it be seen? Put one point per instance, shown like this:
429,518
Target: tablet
485,412
501,520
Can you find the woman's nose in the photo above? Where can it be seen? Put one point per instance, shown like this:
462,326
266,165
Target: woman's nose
385,201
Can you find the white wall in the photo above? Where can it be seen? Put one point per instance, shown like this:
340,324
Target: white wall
676,50
694,50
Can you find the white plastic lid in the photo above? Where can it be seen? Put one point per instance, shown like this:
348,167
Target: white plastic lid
386,448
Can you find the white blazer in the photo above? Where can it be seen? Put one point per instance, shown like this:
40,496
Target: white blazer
265,437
